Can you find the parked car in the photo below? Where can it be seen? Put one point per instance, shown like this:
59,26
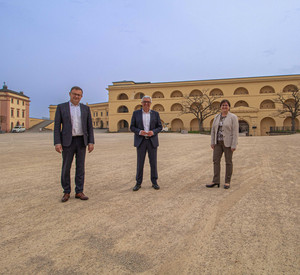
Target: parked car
18,129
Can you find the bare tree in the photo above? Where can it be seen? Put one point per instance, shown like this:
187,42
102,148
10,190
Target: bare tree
201,105
290,101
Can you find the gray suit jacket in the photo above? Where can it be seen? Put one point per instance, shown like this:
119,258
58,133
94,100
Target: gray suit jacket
137,125
63,125
230,130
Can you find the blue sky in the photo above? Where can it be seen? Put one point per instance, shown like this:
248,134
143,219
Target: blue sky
48,46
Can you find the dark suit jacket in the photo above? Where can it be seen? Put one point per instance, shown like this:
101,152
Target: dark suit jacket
63,135
137,125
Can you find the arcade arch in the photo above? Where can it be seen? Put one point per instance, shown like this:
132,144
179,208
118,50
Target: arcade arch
123,126
176,125
243,127
287,123
265,125
194,125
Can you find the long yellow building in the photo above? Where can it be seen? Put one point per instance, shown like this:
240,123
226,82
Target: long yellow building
252,100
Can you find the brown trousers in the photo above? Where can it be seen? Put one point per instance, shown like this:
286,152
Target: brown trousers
217,155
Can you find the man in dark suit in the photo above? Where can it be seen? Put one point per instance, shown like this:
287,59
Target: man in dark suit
73,131
146,124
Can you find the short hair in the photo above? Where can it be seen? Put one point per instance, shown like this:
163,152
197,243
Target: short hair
225,101
76,88
146,96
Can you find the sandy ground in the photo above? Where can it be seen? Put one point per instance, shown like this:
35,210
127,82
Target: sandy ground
183,228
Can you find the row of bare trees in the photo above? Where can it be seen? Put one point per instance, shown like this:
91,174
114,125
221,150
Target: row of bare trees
203,106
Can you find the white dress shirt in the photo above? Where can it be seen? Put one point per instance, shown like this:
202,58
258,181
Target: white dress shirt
146,121
76,119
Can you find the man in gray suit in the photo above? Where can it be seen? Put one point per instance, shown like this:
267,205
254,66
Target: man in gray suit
73,131
146,125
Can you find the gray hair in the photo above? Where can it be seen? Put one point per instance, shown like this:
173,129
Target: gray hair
146,96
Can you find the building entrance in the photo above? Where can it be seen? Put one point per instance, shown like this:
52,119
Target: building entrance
243,127
123,126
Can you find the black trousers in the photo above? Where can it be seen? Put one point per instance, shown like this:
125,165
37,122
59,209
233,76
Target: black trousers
146,146
78,149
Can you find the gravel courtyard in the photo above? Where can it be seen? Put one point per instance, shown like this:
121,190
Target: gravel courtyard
183,228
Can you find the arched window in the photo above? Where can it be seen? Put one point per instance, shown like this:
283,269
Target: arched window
158,95
290,102
215,105
176,94
158,108
139,96
241,103
241,91
290,89
267,90
122,96
196,93
137,107
216,92
267,104
176,107
122,109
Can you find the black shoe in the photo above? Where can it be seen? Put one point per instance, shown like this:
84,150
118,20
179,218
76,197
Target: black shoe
136,187
155,186
226,186
212,185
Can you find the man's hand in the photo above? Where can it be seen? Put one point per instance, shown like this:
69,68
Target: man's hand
232,149
212,146
90,147
150,133
58,148
143,133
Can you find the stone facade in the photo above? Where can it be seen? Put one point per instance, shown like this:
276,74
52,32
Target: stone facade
251,98
14,109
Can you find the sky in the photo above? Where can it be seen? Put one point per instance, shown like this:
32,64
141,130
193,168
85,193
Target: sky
48,46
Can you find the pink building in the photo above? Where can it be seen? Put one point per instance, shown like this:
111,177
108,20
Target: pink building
14,109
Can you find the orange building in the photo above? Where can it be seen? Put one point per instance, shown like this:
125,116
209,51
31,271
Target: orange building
14,109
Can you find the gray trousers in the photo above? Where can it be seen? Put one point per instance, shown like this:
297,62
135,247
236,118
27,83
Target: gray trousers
217,155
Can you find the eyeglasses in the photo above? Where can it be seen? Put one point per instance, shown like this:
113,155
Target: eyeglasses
146,102
74,94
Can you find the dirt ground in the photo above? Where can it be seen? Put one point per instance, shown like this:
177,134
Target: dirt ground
183,228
